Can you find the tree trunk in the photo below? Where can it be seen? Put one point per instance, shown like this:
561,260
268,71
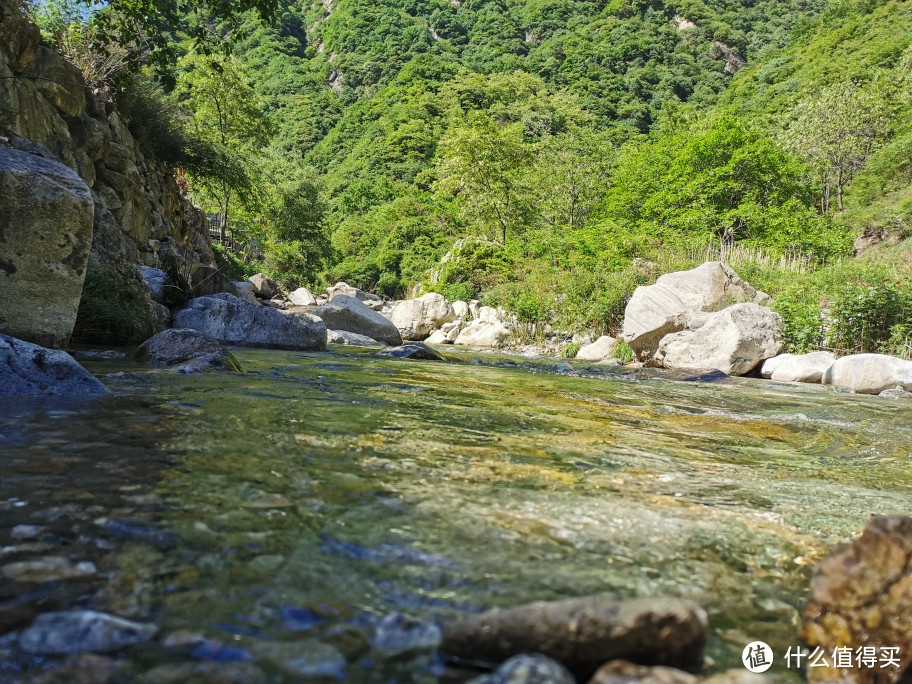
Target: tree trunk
839,189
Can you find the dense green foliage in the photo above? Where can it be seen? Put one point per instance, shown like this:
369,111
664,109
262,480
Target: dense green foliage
550,155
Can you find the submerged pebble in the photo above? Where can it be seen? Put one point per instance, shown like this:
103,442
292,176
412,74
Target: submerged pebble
398,634
48,569
75,631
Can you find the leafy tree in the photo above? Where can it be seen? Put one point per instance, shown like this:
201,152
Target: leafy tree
227,113
484,167
836,132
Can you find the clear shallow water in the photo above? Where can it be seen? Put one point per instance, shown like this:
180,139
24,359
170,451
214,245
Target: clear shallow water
315,493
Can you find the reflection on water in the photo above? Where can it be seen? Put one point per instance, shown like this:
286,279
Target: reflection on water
293,506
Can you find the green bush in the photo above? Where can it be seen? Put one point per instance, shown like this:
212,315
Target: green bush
571,350
623,352
232,265
867,318
803,328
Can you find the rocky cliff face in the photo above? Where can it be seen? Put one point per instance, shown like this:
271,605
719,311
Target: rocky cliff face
137,211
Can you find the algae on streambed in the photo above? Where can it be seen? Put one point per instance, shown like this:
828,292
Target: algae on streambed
315,493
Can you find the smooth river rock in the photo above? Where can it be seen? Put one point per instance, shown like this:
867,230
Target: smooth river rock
528,668
583,633
861,595
27,369
45,239
418,318
869,373
601,349
351,339
235,321
302,297
178,346
481,333
412,350
398,635
798,367
75,631
732,341
351,315
650,313
623,672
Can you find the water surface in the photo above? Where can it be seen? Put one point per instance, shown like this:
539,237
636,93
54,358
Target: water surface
294,505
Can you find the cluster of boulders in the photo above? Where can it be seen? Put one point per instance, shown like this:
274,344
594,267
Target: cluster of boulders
433,319
709,318
706,317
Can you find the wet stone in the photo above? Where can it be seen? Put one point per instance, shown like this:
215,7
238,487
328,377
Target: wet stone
584,633
309,658
411,350
76,631
528,669
205,673
397,635
27,531
49,569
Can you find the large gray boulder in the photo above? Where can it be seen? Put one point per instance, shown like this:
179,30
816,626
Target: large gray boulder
27,369
798,367
582,633
482,333
45,238
264,287
351,339
174,347
348,291
653,310
601,349
733,341
235,321
351,315
869,373
418,318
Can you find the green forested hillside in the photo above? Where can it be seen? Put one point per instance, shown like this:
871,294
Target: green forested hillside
554,154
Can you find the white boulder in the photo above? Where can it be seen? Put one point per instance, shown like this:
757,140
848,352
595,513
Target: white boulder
652,310
869,373
461,309
733,341
798,367
351,315
602,348
480,333
417,318
302,297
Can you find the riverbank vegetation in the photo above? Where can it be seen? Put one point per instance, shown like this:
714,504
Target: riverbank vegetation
543,156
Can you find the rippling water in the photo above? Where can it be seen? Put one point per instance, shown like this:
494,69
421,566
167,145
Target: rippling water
315,493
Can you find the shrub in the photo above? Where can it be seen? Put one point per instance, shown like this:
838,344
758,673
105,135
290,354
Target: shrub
803,328
865,318
623,352
571,350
